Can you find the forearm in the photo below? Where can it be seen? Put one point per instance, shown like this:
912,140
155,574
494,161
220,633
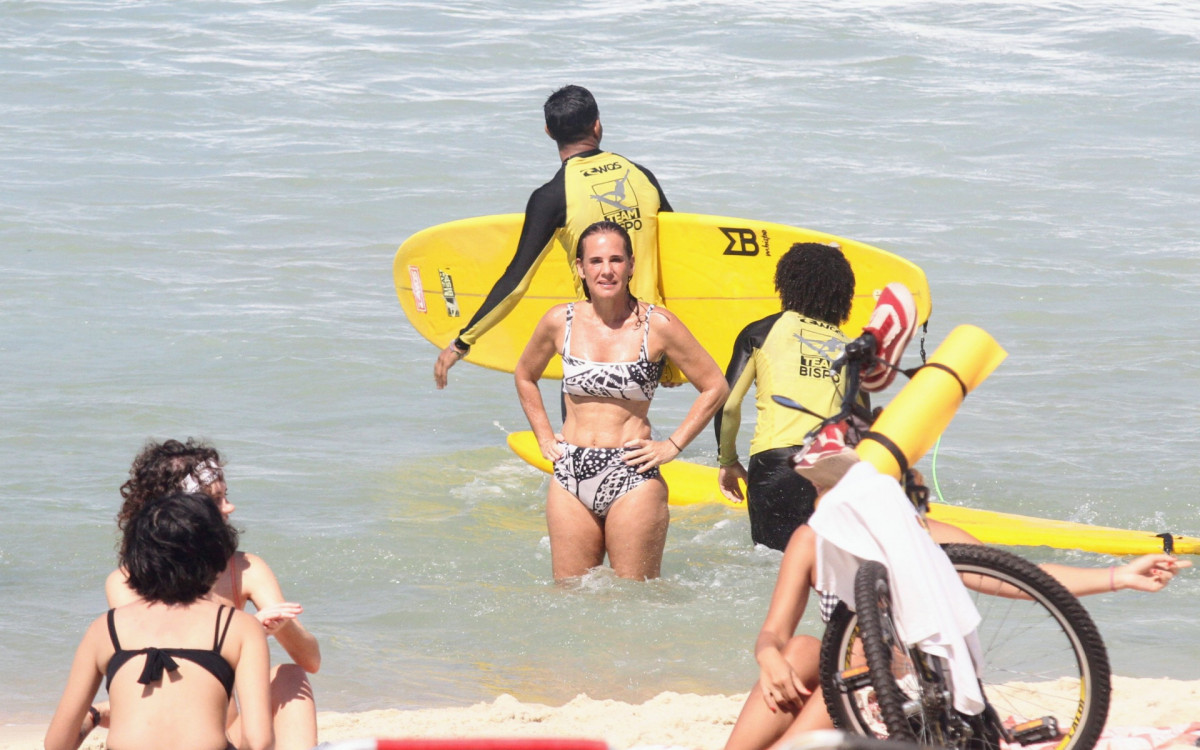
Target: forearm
62,735
768,648
702,411
66,730
1082,581
728,421
530,397
301,645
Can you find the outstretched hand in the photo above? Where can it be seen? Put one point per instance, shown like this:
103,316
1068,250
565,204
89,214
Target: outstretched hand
276,616
1149,572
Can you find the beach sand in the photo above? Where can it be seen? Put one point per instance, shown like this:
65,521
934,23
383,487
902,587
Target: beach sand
701,722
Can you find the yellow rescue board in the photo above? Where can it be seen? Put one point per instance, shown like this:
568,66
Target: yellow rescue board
690,484
718,274
693,484
911,423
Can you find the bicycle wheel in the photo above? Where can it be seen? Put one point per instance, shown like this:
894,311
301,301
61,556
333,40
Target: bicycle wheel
1044,658
894,675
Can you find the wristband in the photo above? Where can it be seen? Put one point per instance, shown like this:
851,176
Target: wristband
462,348
95,714
672,442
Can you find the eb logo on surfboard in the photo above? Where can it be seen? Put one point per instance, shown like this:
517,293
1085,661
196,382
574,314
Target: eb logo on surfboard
743,241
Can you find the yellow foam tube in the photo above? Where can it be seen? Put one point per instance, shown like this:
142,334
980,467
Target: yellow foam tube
923,408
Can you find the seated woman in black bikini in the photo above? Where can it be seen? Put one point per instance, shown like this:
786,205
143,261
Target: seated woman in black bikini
195,466
607,495
171,659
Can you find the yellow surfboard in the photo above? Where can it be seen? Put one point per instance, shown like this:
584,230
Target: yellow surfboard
694,484
911,423
691,484
718,274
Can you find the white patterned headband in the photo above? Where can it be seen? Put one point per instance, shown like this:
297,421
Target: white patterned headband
205,475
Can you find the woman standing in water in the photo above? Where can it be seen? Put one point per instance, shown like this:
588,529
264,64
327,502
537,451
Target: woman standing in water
608,495
172,658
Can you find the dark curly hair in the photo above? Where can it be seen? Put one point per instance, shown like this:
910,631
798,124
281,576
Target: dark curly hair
603,227
570,114
161,469
816,281
175,546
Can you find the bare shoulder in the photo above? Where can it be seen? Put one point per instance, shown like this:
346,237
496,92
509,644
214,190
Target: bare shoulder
556,315
259,583
245,620
98,629
117,590
660,314
667,324
245,627
116,578
252,568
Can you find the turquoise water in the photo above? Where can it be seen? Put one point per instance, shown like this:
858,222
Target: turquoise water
199,204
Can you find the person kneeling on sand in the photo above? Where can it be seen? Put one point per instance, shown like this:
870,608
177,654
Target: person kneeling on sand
172,466
172,657
787,699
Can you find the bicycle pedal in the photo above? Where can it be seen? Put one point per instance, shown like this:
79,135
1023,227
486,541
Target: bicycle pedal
1036,730
855,678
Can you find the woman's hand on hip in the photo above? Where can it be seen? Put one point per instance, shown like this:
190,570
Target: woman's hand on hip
647,454
552,447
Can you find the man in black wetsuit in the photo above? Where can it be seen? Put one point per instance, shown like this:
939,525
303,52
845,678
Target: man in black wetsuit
590,186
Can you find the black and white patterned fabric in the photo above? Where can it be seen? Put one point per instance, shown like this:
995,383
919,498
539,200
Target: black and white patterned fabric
598,476
632,381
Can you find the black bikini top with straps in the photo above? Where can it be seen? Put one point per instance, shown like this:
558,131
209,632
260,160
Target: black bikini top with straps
158,659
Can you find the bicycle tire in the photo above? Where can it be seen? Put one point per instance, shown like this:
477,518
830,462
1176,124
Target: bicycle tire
1029,644
887,657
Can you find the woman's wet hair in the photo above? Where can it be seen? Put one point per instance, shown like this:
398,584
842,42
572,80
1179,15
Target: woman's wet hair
165,469
816,281
174,547
602,227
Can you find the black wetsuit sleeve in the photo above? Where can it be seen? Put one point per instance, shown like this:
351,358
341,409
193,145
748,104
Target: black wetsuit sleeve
545,213
663,203
739,379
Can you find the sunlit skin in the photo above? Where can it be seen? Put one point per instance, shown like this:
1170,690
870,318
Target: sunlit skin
292,703
787,698
609,327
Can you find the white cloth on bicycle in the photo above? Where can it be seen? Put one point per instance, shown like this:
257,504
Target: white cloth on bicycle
867,516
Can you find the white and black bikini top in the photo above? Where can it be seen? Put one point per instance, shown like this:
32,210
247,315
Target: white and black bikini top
632,381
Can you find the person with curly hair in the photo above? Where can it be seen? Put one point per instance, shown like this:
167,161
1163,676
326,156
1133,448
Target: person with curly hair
171,657
789,353
196,466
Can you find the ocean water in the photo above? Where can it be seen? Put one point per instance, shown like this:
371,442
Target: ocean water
199,203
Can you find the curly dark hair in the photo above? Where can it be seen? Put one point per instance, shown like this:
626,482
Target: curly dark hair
160,469
603,227
570,114
816,281
175,546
